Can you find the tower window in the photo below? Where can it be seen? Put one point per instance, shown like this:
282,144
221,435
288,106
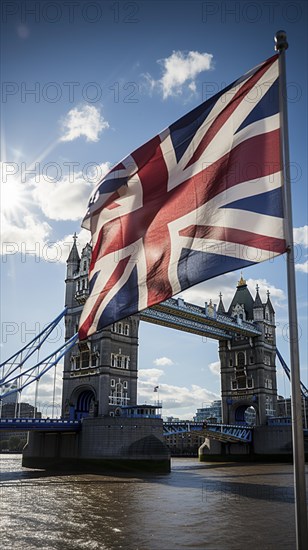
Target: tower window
85,357
241,359
120,361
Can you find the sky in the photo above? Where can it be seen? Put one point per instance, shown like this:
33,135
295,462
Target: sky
83,85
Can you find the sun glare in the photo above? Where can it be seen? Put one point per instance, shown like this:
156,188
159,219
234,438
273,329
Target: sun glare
12,196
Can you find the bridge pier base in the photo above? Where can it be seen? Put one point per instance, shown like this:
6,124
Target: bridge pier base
103,444
215,451
270,444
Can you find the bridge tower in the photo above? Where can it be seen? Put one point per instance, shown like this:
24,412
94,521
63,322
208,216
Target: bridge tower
100,374
248,372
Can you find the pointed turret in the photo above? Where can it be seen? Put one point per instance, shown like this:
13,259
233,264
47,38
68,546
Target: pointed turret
221,307
269,303
258,302
242,300
269,310
73,257
72,262
258,308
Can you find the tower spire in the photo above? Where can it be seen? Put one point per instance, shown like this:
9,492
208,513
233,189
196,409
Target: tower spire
258,301
221,307
73,256
242,281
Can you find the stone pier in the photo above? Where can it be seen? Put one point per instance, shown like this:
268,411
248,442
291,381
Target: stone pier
103,444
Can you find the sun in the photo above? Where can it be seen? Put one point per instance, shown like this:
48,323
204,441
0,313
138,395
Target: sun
12,196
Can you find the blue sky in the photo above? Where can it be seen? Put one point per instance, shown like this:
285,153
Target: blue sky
83,85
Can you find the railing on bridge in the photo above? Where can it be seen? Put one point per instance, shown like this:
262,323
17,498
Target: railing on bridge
43,424
223,432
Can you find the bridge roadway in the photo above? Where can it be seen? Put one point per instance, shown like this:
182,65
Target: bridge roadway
222,432
40,424
205,321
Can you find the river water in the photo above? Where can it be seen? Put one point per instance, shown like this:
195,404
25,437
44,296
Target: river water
202,506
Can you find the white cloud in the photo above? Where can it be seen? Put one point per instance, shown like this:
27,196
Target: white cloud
209,290
302,267
215,368
28,237
67,198
277,295
188,399
163,362
300,235
83,121
226,284
180,69
150,376
62,200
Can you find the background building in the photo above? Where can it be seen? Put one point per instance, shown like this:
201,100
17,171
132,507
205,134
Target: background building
211,411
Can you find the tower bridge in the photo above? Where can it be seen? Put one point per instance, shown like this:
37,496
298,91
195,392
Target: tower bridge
204,321
104,368
100,379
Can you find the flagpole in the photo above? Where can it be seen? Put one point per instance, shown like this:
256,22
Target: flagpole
297,424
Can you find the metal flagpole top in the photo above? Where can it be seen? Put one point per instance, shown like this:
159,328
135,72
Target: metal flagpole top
281,43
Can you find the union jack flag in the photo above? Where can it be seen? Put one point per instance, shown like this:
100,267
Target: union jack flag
202,198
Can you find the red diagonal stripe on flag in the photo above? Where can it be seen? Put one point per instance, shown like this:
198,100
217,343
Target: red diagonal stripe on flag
113,279
225,114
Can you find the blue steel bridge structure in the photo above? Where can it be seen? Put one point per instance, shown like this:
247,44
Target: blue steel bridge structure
16,374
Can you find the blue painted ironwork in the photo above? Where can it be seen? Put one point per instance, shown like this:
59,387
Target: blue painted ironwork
37,371
40,424
304,390
223,432
30,348
279,421
175,313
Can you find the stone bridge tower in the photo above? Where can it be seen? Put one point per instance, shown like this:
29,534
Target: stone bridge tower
100,374
248,372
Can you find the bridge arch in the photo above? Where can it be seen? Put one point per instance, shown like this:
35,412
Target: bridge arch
238,413
83,402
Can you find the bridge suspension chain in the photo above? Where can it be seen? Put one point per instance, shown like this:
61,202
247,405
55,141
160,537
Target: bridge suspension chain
304,390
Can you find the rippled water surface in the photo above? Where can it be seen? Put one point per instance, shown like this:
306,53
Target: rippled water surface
212,506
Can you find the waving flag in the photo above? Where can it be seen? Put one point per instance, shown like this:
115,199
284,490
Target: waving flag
202,198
